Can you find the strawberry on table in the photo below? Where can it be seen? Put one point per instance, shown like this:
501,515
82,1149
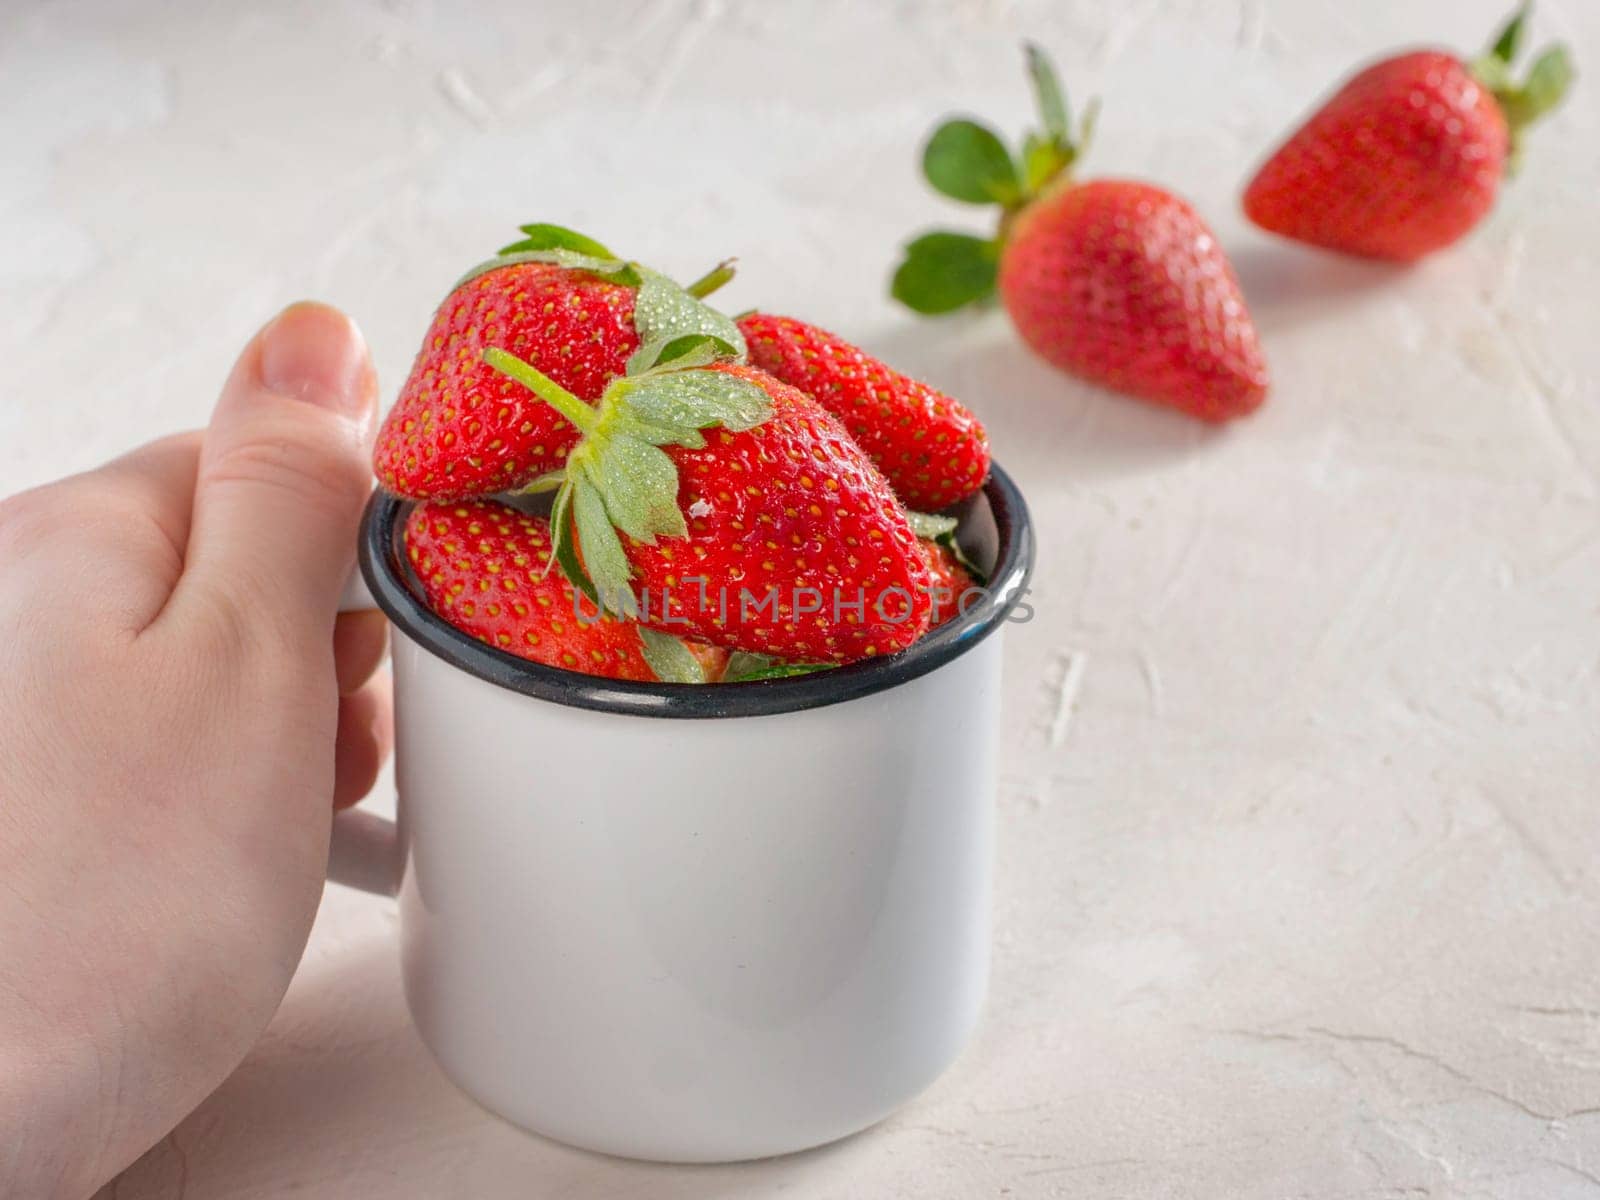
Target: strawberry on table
556,299
1408,155
1122,283
715,502
485,568
1117,281
929,447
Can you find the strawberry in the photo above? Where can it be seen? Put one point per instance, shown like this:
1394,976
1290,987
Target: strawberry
772,533
950,575
1408,155
948,581
485,568
1116,281
556,299
1123,284
929,447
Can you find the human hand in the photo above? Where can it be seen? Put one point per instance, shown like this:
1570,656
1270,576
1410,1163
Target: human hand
180,711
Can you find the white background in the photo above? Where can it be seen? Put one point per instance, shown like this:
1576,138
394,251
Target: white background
1298,892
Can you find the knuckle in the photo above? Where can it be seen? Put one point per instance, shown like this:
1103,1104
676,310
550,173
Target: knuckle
289,462
33,519
94,499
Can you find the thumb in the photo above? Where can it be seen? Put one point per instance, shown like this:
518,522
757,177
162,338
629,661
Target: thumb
284,473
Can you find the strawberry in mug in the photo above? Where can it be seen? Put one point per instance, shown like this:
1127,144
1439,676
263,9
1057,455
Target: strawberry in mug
702,505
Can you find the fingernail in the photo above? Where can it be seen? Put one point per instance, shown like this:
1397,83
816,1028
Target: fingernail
316,354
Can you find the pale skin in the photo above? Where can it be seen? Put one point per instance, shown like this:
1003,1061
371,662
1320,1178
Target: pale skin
180,713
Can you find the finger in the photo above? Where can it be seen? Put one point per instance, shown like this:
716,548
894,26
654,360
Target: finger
154,487
359,640
366,735
158,477
282,477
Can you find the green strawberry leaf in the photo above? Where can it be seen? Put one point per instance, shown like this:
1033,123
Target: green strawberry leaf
1086,127
931,525
1048,153
1548,82
603,555
638,484
968,161
664,312
563,552
557,237
1047,91
618,477
692,400
548,482
625,424
942,529
1509,40
948,541
678,353
747,667
694,350
669,658
943,271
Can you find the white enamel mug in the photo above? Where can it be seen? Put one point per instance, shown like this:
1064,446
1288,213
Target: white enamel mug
692,924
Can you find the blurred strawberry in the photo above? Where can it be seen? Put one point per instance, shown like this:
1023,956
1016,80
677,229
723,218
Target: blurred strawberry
1407,156
1119,282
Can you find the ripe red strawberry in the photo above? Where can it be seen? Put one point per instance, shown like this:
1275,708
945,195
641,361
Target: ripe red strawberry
1119,282
557,300
771,531
1408,155
1123,284
929,447
460,429
948,581
484,567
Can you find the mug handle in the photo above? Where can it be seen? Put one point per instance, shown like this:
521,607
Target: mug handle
364,851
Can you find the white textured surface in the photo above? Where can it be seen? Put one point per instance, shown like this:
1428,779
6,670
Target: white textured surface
1298,843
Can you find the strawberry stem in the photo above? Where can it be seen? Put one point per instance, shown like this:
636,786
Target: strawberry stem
542,386
1051,100
711,280
967,161
1508,40
1542,89
548,482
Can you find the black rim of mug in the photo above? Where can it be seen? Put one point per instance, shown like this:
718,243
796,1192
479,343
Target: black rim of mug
389,579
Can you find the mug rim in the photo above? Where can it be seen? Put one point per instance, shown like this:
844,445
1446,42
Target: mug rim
385,571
